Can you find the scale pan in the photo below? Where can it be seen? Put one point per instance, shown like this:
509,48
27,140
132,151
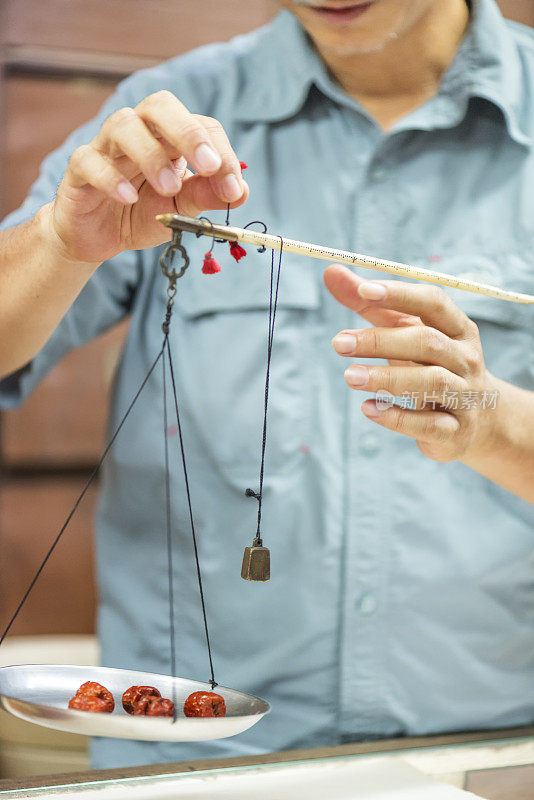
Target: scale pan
40,693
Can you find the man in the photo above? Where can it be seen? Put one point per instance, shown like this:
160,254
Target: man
401,595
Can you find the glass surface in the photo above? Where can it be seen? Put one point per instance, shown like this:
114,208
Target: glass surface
441,762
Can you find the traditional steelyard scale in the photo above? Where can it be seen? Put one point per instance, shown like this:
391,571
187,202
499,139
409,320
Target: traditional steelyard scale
203,227
38,693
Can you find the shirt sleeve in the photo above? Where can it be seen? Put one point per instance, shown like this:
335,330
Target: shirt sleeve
108,295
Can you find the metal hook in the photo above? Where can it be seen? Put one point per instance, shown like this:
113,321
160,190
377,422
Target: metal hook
165,262
261,249
167,258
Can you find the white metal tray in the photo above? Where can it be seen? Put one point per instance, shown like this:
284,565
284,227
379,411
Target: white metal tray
40,693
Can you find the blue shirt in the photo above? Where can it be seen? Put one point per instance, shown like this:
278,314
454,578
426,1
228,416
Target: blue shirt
402,593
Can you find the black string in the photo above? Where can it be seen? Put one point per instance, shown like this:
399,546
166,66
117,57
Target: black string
272,317
213,682
273,303
169,536
80,497
256,222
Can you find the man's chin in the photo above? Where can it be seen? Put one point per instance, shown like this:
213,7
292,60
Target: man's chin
345,46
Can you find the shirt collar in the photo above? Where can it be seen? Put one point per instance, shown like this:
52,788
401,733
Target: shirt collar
283,65
488,66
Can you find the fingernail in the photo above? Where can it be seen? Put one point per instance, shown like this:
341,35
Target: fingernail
168,181
344,344
372,291
207,159
370,409
230,188
127,192
357,376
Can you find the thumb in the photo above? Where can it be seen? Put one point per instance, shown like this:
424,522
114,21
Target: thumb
344,285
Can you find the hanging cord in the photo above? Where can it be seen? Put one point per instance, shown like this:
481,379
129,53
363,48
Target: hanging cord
212,681
273,304
80,497
166,266
170,571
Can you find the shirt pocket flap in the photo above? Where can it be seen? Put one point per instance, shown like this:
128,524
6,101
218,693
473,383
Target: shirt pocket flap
505,272
245,286
500,312
506,328
221,371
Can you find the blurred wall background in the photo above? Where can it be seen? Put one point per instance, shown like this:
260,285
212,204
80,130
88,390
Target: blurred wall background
60,60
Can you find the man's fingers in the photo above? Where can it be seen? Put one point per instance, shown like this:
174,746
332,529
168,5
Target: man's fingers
169,118
202,140
198,195
343,285
87,166
433,427
159,130
228,182
422,384
125,133
417,343
428,302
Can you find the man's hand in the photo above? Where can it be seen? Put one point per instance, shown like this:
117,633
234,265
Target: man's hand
435,360
135,168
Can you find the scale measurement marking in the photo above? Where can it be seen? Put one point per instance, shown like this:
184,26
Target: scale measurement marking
247,236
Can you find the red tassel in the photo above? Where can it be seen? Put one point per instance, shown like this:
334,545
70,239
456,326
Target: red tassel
237,251
243,165
210,266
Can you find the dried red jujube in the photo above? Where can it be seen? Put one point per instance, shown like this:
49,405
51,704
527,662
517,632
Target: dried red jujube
205,704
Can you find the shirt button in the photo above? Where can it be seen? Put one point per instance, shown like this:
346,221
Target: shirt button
369,444
367,604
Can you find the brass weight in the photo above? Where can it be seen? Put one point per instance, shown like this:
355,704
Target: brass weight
256,562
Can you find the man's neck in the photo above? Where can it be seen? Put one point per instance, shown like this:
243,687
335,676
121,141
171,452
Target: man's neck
407,71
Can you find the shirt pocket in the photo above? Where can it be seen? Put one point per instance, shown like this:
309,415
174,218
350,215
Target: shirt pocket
221,346
506,328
